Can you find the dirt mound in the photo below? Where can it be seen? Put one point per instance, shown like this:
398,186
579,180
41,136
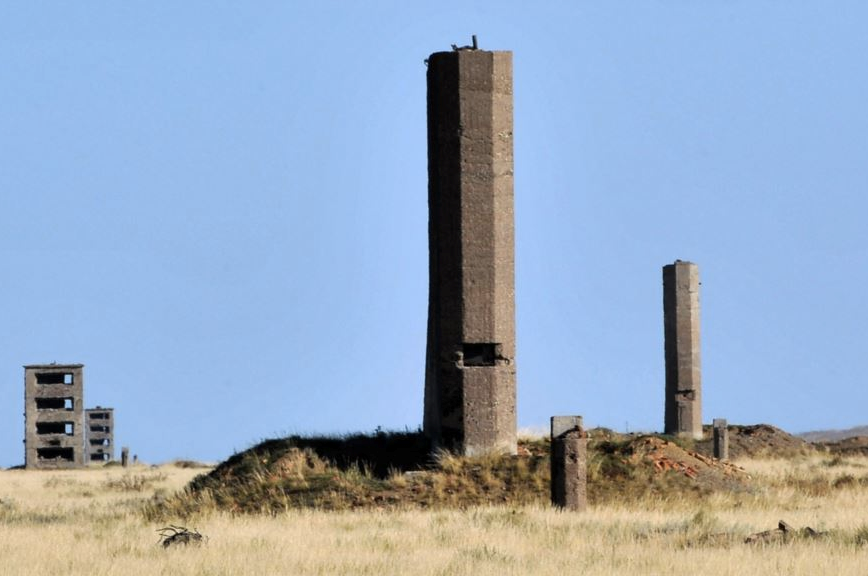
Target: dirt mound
392,470
666,456
847,447
641,465
284,474
758,440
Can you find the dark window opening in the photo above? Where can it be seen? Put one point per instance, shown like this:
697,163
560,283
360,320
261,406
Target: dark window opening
67,428
99,416
479,354
54,378
99,442
98,457
49,427
54,403
99,429
66,454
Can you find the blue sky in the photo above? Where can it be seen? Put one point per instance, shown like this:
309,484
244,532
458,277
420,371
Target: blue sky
220,208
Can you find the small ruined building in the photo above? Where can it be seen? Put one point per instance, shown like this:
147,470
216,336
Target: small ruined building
57,429
100,432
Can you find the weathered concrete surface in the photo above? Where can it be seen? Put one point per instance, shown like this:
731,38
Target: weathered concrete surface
53,416
569,463
721,439
683,414
470,365
562,424
99,434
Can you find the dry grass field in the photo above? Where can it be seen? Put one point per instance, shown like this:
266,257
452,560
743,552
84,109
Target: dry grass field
91,522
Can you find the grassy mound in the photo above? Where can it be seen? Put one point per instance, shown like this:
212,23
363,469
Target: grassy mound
756,441
383,470
396,470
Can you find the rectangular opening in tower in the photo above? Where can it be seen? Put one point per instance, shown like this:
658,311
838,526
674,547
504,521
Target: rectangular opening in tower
54,378
67,428
479,354
99,457
65,454
99,416
99,442
98,429
43,428
54,403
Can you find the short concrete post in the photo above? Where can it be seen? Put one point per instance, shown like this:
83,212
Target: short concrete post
721,439
125,456
569,463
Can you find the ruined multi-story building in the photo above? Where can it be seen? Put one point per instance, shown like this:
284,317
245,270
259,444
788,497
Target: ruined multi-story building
54,416
683,414
100,434
470,381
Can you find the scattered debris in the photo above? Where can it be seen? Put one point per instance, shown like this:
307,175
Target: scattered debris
175,535
667,456
783,533
473,46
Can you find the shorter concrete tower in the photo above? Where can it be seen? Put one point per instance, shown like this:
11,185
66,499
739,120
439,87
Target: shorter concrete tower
683,415
53,416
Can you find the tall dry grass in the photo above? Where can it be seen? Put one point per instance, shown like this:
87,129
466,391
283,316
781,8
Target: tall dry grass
90,522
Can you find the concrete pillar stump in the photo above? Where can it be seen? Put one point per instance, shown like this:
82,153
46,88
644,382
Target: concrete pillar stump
721,439
569,463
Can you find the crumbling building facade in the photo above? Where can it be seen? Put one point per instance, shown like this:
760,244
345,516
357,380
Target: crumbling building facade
54,416
470,381
100,434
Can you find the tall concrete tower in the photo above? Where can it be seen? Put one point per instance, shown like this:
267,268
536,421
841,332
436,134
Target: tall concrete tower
681,330
470,367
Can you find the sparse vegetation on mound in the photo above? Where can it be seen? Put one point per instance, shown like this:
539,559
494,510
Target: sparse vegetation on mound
386,470
852,446
396,470
756,441
648,466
